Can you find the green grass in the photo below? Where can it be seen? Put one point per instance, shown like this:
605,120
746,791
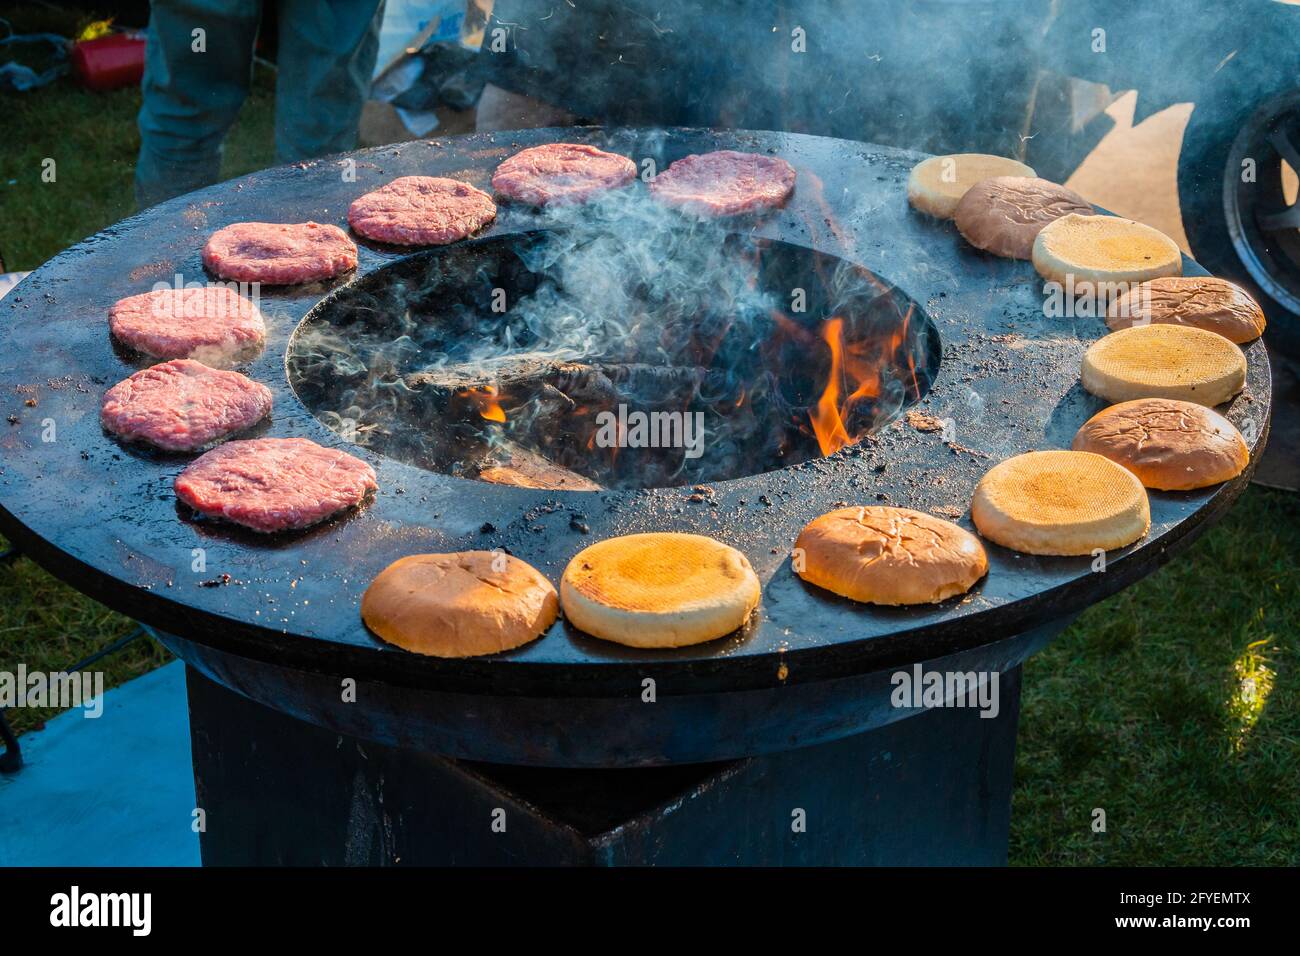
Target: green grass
1144,709
93,141
1137,709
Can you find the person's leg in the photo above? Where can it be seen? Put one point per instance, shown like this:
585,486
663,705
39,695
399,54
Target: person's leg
326,58
192,90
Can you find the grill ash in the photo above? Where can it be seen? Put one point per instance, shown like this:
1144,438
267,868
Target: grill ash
502,358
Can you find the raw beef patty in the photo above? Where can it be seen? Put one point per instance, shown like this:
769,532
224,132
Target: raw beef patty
421,211
274,484
183,405
561,173
214,324
279,253
725,183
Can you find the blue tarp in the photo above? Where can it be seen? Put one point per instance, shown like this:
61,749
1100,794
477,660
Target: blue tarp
113,791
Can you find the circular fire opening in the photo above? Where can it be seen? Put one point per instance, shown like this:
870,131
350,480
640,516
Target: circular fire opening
585,357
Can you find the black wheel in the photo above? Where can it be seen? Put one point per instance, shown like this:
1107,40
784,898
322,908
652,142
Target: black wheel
1235,209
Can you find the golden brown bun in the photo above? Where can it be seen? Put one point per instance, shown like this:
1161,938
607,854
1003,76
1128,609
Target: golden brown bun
935,185
1169,445
1164,361
1105,250
1060,502
1004,215
1202,302
659,590
890,556
459,604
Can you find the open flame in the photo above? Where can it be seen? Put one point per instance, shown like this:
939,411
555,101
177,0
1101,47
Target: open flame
827,415
486,400
856,373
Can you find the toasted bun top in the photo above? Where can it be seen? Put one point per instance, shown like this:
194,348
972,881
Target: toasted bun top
936,184
659,590
1168,444
1004,215
1161,356
1106,247
661,573
888,555
1203,302
459,604
1059,489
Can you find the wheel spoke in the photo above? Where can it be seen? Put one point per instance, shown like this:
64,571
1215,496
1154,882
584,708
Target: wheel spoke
1284,142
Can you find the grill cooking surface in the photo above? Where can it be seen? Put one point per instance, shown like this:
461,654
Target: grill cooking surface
104,516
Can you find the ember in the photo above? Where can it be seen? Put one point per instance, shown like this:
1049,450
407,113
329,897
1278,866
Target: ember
485,398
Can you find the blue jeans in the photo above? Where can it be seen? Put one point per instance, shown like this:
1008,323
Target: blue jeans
326,57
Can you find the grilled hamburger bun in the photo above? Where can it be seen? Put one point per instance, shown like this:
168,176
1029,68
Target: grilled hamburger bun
1060,502
1202,302
1164,361
890,556
935,185
1004,215
1104,249
659,590
1167,444
460,604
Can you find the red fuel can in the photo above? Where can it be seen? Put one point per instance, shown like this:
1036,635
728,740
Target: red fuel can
109,62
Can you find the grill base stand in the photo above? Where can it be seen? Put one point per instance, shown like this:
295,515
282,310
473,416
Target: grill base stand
930,789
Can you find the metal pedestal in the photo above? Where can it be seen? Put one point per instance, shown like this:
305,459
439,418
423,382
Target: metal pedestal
934,788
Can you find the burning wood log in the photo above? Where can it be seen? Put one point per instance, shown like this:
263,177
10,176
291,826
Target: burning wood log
511,464
601,384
